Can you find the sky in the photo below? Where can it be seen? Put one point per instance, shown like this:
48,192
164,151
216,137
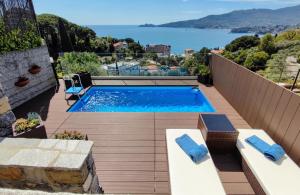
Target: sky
133,12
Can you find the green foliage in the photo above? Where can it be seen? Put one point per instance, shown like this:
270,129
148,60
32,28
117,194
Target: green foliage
290,35
277,64
244,42
16,40
202,56
267,44
298,59
151,56
269,58
191,64
70,135
74,62
22,125
197,63
202,70
64,36
256,60
33,116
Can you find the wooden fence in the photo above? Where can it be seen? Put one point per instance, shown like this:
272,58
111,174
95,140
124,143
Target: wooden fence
262,103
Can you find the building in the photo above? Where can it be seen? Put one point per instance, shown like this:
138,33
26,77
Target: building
161,50
217,51
121,45
189,52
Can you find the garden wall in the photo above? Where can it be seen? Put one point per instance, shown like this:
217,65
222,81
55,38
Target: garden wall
7,118
16,64
48,165
262,103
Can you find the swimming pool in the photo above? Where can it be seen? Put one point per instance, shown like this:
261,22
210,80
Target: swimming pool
142,99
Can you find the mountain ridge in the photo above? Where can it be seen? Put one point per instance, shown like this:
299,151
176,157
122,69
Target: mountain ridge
243,18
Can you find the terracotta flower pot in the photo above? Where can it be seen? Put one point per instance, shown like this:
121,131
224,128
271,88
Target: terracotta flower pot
22,82
35,70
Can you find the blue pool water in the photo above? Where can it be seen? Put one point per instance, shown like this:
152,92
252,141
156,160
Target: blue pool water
143,99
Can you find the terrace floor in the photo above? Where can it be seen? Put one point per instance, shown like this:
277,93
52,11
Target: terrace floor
130,148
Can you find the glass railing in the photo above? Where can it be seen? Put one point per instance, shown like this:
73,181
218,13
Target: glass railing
124,64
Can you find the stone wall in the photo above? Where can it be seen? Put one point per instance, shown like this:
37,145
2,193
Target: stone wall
7,117
48,165
16,64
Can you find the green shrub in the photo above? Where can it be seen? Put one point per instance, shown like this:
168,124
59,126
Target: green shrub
290,35
277,64
298,59
256,60
241,56
244,42
73,62
16,40
22,125
70,135
267,44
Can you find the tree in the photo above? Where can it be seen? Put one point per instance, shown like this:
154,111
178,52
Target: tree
244,42
267,44
65,39
256,60
241,57
202,56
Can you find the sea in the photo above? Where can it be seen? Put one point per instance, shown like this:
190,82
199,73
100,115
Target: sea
179,38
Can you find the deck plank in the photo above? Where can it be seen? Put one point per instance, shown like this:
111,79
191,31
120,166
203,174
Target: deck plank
130,148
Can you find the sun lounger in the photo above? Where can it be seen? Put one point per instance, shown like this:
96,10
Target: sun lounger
266,176
186,177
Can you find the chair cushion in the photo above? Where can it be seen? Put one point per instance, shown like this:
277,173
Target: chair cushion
74,90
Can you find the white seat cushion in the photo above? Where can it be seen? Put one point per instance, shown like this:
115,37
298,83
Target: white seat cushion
276,178
186,177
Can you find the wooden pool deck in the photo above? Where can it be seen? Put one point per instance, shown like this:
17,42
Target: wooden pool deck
130,148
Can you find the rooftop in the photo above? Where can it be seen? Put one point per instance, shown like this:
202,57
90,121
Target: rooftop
130,148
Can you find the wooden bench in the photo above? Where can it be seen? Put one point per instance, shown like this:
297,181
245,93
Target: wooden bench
265,176
186,177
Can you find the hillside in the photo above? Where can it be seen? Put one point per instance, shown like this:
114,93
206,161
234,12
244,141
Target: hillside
244,18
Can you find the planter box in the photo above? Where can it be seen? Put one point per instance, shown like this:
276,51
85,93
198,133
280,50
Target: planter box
206,80
38,132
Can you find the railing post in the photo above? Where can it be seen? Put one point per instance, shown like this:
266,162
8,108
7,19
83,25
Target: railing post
295,82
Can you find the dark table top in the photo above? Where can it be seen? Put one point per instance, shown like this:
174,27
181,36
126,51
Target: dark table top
217,123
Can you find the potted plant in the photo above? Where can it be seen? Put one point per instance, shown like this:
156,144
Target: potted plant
71,135
32,127
22,81
34,69
204,76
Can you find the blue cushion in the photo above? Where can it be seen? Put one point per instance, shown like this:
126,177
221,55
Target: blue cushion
274,152
191,148
74,90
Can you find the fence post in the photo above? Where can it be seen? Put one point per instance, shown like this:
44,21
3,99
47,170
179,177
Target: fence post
295,82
